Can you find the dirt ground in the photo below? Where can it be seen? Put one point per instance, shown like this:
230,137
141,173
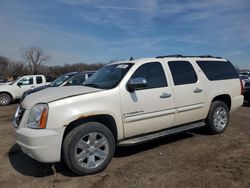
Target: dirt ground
193,159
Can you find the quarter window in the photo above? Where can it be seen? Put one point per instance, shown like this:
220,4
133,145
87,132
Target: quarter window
218,70
153,73
182,72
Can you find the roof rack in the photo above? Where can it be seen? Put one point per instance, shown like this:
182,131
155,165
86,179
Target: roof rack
200,56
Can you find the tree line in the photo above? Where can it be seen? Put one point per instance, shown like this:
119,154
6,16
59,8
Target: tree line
33,62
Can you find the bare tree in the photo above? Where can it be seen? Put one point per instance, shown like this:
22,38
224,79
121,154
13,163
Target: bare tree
35,57
4,62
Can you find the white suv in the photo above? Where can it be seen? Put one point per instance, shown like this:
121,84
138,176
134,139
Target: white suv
126,103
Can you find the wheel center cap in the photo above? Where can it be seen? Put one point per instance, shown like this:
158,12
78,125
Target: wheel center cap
92,149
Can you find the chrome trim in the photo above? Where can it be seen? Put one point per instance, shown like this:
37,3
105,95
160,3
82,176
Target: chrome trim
189,107
149,115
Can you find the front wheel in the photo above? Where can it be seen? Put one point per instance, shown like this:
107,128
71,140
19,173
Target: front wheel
88,149
218,117
5,99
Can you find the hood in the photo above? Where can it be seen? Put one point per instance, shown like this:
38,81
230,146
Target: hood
56,93
4,86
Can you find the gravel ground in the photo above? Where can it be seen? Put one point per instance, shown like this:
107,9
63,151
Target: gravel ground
193,159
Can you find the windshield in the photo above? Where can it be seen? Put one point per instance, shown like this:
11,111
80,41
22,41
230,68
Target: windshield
109,76
59,81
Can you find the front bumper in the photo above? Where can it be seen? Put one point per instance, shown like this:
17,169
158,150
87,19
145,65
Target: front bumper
43,145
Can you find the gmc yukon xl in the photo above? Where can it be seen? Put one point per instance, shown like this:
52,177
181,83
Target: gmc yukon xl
126,103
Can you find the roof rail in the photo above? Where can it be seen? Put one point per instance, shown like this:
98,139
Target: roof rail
200,56
176,55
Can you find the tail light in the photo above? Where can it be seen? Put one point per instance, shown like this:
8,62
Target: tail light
241,87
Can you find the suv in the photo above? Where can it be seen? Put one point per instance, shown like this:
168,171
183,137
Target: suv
69,79
126,103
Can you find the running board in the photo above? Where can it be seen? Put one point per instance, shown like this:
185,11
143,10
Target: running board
171,131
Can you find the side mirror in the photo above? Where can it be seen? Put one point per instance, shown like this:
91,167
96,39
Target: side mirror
136,84
19,84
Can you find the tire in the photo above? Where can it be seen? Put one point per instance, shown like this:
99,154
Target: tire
88,148
5,99
218,117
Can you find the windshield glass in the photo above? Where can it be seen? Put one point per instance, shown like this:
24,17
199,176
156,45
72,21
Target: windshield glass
59,80
109,76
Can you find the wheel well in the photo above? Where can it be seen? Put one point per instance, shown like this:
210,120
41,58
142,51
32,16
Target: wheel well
224,98
107,120
8,94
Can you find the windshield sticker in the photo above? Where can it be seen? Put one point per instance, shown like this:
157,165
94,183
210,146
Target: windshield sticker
122,66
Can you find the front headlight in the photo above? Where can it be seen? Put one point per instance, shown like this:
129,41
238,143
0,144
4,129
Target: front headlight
38,116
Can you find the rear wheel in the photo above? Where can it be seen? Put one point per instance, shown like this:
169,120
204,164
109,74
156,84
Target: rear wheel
88,149
218,117
5,99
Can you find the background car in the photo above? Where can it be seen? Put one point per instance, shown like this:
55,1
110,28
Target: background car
69,79
244,79
247,92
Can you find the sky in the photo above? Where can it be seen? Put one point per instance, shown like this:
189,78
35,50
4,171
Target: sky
94,31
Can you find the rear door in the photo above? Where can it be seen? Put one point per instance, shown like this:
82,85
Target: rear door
188,92
149,109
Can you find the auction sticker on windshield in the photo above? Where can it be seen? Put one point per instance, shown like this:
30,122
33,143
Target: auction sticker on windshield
122,66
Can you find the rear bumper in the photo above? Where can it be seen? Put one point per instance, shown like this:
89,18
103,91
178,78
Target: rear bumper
40,144
237,102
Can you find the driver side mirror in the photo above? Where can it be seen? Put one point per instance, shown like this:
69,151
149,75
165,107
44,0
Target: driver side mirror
136,84
19,84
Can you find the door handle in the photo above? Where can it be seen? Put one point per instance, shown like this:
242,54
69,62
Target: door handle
32,86
198,90
165,95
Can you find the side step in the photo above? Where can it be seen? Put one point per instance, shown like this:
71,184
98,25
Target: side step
170,131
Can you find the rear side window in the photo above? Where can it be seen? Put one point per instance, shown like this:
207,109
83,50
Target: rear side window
39,80
153,73
218,70
182,72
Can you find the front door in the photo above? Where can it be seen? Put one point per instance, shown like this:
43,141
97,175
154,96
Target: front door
24,84
151,108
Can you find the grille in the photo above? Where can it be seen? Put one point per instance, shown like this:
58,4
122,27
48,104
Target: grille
19,115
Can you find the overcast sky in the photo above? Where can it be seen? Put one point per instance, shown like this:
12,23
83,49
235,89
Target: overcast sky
92,31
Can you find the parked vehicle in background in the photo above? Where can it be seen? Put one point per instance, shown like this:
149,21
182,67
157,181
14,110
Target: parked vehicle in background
14,91
69,79
244,79
247,92
126,103
2,80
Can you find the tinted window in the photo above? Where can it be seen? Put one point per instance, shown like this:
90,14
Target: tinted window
39,80
59,81
77,80
153,73
218,70
182,72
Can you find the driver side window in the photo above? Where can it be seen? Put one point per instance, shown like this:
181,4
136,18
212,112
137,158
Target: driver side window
153,73
25,81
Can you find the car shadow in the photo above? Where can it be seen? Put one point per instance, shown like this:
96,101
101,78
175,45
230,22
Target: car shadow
30,167
124,151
